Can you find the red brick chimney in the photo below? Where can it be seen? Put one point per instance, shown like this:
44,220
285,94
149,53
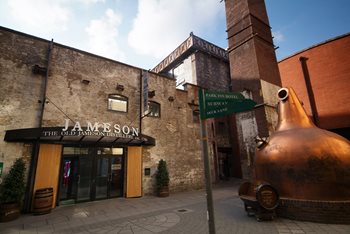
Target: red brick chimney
254,72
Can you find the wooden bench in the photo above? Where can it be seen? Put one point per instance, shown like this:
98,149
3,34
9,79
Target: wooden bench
260,200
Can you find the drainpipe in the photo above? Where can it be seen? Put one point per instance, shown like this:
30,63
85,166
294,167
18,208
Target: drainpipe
141,101
310,92
45,84
35,153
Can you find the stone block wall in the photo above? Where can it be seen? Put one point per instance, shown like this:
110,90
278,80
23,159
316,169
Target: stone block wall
78,86
20,90
177,138
69,96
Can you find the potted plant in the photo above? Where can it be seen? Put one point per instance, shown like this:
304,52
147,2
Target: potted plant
162,179
11,192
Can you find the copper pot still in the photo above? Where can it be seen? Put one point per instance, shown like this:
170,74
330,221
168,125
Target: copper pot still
301,160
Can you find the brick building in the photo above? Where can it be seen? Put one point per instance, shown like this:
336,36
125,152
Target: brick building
320,75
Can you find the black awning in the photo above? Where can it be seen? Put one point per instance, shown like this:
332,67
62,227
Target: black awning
57,136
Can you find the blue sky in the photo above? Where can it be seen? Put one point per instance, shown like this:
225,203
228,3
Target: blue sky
142,32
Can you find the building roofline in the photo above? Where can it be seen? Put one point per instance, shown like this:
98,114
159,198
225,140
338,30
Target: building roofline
316,45
80,51
190,45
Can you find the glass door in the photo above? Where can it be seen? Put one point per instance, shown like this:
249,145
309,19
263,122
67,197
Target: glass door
90,174
116,176
85,180
102,177
109,177
109,173
68,186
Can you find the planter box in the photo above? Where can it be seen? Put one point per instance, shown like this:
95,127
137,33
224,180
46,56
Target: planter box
9,212
163,191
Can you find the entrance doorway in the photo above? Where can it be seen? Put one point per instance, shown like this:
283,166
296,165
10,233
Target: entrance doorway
108,177
90,174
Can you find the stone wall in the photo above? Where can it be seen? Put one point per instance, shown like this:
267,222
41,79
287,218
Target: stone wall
78,86
69,97
177,138
20,90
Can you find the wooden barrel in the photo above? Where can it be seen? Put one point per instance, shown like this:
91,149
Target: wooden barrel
267,196
43,201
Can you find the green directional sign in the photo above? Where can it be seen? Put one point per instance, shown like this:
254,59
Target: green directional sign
217,104
220,96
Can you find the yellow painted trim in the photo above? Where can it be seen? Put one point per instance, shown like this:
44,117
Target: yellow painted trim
48,169
134,172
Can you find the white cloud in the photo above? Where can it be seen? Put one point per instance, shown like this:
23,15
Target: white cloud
277,36
161,25
39,15
103,36
88,2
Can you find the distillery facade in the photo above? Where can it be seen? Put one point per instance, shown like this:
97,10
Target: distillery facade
93,128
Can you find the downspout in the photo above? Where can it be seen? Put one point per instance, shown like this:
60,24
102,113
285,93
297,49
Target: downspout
45,83
35,153
140,124
309,90
141,101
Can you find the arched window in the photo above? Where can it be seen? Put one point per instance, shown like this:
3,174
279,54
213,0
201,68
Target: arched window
117,102
154,109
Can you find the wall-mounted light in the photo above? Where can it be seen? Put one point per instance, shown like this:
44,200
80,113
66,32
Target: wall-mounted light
151,94
171,99
86,82
120,87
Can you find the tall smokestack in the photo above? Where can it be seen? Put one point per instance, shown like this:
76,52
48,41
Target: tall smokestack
254,72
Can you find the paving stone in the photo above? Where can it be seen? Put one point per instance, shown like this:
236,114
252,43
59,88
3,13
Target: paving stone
161,215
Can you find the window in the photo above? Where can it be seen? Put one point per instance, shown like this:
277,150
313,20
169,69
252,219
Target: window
196,116
75,150
117,103
154,109
113,151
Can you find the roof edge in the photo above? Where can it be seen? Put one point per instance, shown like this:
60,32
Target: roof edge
316,45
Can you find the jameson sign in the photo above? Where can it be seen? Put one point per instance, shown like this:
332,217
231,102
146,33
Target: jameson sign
94,129
216,104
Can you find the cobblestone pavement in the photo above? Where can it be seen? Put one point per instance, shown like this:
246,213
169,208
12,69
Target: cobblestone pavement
179,213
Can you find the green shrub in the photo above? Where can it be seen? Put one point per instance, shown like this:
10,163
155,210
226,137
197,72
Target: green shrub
162,174
13,187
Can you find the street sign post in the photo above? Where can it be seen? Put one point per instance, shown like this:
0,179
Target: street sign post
211,105
217,104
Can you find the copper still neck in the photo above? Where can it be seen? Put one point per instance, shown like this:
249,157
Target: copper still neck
291,113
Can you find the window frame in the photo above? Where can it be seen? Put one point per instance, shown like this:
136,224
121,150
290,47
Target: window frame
121,98
159,108
196,116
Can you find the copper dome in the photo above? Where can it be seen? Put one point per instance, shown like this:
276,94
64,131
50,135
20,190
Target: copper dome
301,160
